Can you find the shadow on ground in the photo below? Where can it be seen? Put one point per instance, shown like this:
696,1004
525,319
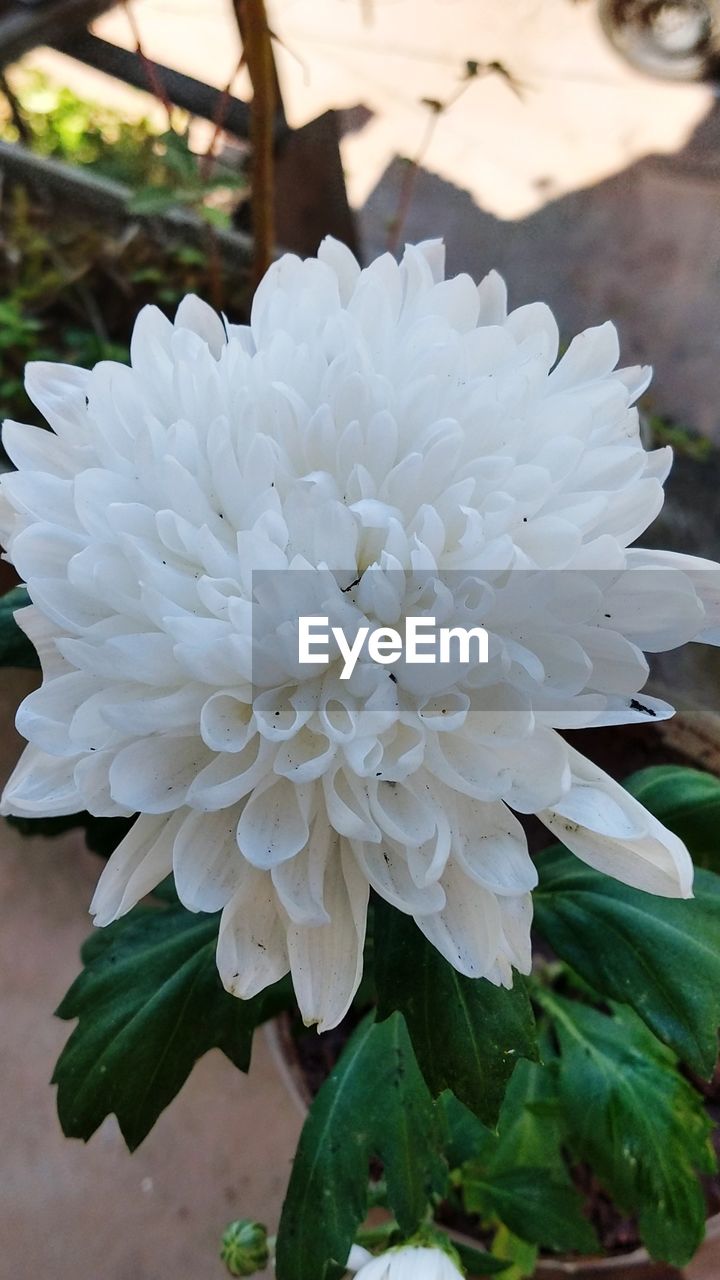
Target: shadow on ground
641,248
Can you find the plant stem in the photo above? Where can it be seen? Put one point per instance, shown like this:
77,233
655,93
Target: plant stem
23,129
257,42
155,83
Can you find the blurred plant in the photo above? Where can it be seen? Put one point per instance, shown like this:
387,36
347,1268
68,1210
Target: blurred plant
683,441
159,165
70,289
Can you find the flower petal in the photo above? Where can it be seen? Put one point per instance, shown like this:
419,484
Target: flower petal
608,829
41,786
137,866
274,822
207,863
326,962
251,950
467,931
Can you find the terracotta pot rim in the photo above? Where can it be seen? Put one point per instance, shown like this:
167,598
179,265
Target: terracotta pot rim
282,1048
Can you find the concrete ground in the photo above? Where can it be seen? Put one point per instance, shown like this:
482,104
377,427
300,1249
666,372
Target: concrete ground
70,1211
596,189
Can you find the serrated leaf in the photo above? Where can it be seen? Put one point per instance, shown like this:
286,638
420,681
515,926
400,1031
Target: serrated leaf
521,1179
533,1204
467,1034
634,1119
467,1138
530,1129
688,802
15,648
374,1103
149,1003
659,955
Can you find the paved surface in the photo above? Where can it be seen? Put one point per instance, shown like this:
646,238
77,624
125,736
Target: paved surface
75,1212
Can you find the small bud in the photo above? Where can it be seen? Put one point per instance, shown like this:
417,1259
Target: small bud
245,1247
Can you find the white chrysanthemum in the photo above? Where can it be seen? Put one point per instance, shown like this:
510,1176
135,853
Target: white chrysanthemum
409,1262
372,428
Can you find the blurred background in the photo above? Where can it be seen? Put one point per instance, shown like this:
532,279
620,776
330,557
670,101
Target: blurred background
161,146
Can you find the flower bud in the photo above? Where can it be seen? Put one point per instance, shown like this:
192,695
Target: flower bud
245,1247
412,1262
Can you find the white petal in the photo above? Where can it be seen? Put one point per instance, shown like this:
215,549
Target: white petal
196,315
59,391
385,866
274,823
41,786
606,827
489,845
467,931
154,775
251,950
137,866
300,881
44,716
326,962
592,354
207,863
231,775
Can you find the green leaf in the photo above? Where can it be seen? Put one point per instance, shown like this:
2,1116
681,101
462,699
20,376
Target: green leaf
659,955
15,648
688,802
467,1138
636,1121
540,1208
477,1262
147,201
149,1003
522,1179
530,1129
374,1103
521,1256
467,1034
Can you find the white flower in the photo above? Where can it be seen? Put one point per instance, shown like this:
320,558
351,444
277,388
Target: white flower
409,1262
374,428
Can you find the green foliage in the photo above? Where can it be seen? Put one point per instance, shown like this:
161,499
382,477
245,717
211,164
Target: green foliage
71,286
636,987
636,1121
681,439
688,802
374,1103
519,1177
467,1035
149,1003
659,955
15,648
611,1093
158,164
